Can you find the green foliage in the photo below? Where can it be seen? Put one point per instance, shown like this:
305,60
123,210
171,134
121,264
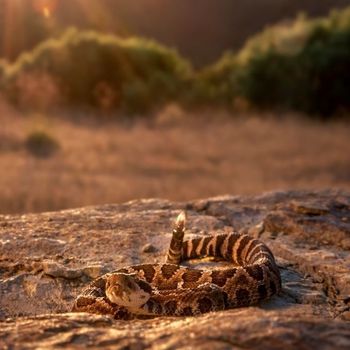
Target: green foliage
136,73
269,79
290,38
325,62
41,144
305,68
217,84
303,65
316,80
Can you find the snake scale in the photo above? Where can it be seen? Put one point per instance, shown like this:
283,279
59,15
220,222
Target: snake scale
170,289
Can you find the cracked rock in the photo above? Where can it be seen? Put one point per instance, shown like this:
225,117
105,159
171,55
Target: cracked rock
47,259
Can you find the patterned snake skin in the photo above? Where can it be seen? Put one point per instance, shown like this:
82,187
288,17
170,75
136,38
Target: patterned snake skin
170,289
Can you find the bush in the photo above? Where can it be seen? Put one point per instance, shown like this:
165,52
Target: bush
217,84
41,144
325,61
269,79
304,65
80,62
315,81
305,69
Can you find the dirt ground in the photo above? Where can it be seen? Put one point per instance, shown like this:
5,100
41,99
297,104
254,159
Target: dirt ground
177,155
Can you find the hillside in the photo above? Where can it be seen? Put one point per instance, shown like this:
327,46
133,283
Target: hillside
200,29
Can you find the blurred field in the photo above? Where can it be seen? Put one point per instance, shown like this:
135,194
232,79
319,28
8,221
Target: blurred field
174,155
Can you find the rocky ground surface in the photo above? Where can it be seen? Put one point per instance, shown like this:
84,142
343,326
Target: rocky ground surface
46,259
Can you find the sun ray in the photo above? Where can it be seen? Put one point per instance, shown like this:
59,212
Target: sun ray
46,12
100,17
45,7
10,27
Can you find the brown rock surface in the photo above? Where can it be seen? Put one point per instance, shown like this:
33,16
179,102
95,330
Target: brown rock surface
46,259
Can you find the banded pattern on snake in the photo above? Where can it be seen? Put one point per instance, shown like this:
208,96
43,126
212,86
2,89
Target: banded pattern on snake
171,289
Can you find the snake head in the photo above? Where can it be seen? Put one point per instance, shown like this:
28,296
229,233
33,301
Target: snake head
123,289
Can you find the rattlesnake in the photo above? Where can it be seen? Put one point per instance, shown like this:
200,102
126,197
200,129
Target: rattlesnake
171,289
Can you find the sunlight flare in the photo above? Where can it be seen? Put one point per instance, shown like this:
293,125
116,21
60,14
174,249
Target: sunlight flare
45,7
46,12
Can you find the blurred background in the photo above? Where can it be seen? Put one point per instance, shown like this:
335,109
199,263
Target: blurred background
105,101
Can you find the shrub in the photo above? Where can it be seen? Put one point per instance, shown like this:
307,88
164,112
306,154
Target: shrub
325,61
269,79
315,81
304,65
216,84
41,144
306,68
80,62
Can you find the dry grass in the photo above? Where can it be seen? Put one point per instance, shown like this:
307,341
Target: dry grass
189,157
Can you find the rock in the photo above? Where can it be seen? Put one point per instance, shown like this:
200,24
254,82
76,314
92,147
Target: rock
47,259
54,269
94,271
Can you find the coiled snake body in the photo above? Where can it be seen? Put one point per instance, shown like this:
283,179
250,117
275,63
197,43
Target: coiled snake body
171,289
